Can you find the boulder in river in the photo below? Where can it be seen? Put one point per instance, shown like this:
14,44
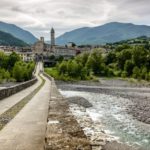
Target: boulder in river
79,101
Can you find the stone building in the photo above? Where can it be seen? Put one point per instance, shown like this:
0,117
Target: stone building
52,38
43,50
39,47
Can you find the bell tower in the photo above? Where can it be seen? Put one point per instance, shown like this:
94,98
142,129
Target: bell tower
52,38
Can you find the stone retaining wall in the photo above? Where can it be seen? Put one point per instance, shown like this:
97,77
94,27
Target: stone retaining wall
63,131
14,89
49,77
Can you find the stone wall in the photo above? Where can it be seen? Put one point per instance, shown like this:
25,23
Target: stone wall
14,89
63,131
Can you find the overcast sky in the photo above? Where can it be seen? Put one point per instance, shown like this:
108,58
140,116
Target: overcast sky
38,16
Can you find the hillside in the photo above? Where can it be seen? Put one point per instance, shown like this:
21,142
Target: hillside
18,32
107,33
143,40
9,40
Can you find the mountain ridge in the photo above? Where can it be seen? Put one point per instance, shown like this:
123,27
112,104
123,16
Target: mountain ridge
6,39
107,33
18,32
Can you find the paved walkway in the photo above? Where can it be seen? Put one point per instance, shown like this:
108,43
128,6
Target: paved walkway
8,102
27,130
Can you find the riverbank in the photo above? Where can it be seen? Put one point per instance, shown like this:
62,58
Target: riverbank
63,130
136,92
134,100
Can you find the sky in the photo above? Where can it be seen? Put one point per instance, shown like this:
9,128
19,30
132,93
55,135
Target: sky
38,16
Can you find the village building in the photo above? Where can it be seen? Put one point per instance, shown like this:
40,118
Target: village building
42,49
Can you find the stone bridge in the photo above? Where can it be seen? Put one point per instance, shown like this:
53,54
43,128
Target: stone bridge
38,118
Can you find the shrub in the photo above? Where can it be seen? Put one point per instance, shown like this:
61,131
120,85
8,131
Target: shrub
124,74
136,72
128,67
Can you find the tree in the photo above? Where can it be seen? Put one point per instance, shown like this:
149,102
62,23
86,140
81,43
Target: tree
74,69
123,56
62,67
144,73
122,47
128,67
18,72
95,61
136,72
3,60
110,57
82,58
139,56
13,58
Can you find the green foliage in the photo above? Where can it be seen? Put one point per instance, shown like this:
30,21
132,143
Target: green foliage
122,47
128,67
95,62
13,58
110,58
136,72
12,67
82,58
23,71
4,74
124,61
122,57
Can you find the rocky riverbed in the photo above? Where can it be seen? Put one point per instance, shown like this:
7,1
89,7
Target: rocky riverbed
122,109
139,96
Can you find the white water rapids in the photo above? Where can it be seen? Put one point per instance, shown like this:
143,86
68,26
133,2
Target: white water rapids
109,113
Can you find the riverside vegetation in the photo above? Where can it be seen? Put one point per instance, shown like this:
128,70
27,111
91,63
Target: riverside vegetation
12,68
126,61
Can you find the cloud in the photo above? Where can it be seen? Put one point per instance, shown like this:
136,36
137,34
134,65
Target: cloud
38,16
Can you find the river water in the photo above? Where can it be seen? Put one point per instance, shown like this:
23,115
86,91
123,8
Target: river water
111,112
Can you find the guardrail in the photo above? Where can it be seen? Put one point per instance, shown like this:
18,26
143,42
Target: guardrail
16,88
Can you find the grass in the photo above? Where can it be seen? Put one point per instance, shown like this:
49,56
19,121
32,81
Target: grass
64,77
54,73
7,116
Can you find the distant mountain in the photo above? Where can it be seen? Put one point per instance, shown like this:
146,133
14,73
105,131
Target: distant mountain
7,39
18,32
107,33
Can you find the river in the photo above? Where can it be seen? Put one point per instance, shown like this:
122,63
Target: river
110,112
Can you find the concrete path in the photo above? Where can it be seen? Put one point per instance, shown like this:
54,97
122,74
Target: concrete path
8,102
27,130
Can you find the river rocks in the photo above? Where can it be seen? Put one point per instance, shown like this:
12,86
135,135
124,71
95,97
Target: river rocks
63,131
79,101
93,130
116,146
147,120
135,103
140,109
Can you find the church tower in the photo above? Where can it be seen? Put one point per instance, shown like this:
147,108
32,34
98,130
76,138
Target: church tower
52,37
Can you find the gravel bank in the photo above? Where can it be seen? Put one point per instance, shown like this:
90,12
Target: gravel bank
139,97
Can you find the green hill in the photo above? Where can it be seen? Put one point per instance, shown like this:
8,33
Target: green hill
7,39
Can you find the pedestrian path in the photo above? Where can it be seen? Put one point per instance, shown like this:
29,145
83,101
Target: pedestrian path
8,102
27,130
